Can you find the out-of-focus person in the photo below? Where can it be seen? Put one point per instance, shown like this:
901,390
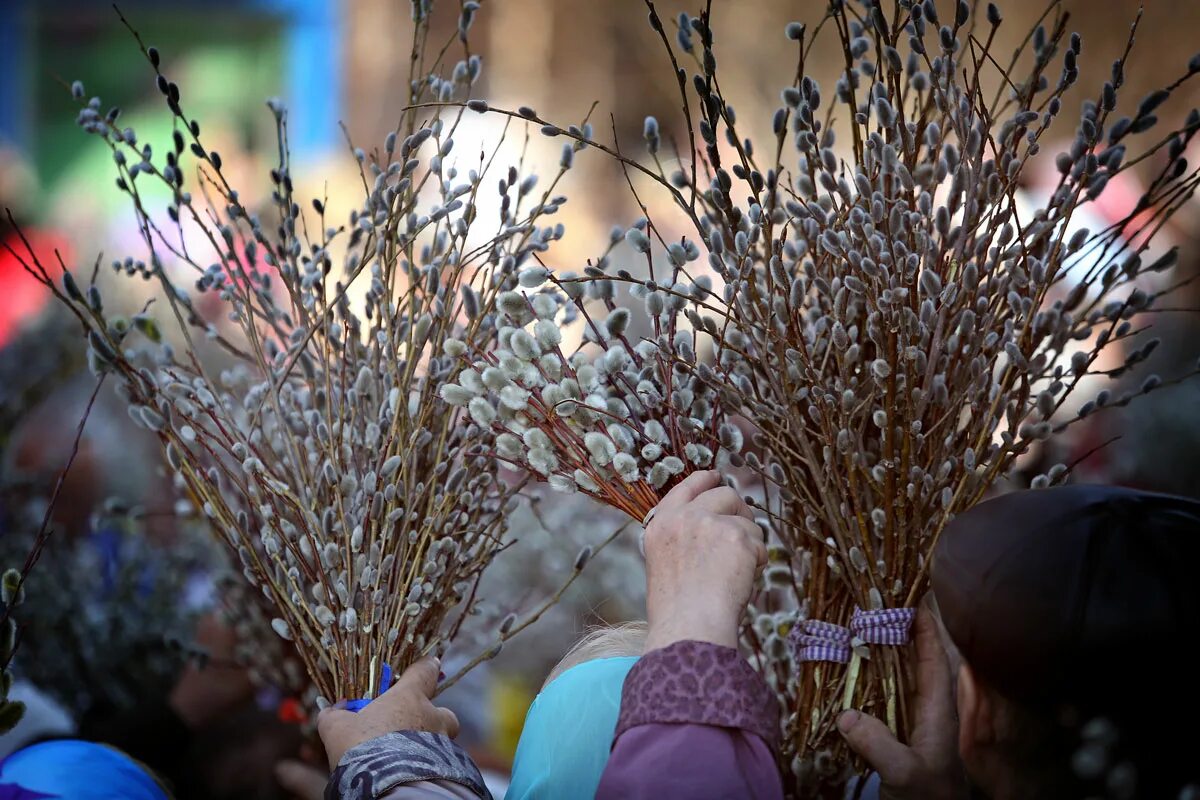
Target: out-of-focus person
24,297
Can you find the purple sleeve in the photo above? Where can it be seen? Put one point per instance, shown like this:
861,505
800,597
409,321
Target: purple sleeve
696,721
686,760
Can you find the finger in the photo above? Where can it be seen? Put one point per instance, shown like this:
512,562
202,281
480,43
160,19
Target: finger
723,500
754,537
328,719
688,490
871,739
301,780
449,722
421,677
934,718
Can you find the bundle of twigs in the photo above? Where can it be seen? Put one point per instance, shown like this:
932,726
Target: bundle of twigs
896,324
325,458
620,421
905,331
103,624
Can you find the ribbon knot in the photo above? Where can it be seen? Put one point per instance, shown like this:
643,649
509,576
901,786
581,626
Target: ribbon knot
814,640
886,626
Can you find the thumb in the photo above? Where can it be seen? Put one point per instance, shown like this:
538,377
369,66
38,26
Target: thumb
935,721
301,780
421,677
328,719
875,742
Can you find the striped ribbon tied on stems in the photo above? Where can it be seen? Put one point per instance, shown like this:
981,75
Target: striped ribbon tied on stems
886,626
814,640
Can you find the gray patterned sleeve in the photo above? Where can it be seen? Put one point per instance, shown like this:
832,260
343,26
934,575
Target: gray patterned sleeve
375,767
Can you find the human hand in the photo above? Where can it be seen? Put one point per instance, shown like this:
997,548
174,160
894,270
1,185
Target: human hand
406,706
703,552
928,768
301,781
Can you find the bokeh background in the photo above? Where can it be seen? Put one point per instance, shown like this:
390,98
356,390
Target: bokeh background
342,66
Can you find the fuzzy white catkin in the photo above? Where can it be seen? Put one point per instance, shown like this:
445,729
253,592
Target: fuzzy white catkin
545,306
455,395
600,447
548,335
533,277
282,629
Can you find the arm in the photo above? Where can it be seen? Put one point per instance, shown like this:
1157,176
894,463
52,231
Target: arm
406,766
696,721
306,782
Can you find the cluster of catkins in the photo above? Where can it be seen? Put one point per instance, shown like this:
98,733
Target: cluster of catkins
617,420
357,504
892,318
916,333
897,322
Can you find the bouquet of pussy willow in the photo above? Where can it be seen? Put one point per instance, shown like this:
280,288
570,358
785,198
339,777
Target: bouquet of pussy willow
351,495
618,417
899,326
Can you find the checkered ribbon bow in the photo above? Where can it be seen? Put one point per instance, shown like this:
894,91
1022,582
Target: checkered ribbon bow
814,640
887,626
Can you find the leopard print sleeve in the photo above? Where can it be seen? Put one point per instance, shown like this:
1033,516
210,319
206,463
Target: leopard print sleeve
699,683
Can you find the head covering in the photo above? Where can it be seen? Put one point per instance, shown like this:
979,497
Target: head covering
1074,595
68,769
568,732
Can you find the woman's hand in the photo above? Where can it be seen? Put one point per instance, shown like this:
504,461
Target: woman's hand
406,706
703,552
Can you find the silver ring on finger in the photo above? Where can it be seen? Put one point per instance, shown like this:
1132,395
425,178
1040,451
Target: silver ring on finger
642,534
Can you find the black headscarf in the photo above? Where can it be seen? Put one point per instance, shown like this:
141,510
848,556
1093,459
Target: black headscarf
1087,596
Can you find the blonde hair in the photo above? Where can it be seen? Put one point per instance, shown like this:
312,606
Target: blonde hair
604,641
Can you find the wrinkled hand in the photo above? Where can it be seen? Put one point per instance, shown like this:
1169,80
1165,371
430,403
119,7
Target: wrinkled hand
928,768
406,706
703,552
